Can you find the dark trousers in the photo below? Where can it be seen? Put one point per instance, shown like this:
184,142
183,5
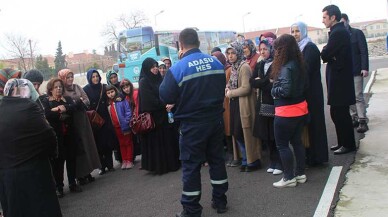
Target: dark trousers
343,126
106,158
66,152
289,130
274,156
200,142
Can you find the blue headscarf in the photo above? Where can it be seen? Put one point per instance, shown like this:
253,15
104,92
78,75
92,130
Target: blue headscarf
304,39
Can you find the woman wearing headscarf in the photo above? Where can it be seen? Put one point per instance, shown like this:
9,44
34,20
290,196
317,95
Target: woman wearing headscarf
263,127
317,151
231,147
87,155
250,54
242,108
105,136
159,147
5,75
27,143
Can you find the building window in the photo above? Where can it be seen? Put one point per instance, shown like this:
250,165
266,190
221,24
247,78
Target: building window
371,27
317,32
378,27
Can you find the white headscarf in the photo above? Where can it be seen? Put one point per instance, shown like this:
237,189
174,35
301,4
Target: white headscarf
304,39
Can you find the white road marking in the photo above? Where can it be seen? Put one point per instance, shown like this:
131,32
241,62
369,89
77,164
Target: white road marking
324,204
370,82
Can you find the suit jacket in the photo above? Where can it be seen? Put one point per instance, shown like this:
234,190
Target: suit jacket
359,51
339,69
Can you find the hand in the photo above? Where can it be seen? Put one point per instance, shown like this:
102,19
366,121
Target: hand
271,80
226,91
364,73
257,78
61,108
169,107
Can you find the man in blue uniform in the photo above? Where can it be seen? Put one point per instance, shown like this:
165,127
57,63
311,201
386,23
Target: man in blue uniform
196,86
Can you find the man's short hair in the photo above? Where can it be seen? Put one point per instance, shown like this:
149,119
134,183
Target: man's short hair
345,17
189,38
333,10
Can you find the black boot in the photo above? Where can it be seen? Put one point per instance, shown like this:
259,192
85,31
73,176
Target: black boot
355,122
363,127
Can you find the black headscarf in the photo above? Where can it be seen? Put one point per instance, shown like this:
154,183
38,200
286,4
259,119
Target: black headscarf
146,67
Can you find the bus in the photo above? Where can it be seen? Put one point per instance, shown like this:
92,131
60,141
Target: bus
136,44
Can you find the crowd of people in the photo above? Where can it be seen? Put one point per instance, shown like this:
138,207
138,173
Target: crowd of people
252,98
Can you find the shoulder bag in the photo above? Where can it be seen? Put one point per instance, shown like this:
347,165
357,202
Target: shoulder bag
266,110
96,121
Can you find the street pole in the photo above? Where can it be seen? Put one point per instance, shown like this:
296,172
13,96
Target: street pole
243,19
156,16
31,56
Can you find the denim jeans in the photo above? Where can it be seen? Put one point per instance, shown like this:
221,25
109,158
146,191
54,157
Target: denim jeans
358,110
241,146
289,130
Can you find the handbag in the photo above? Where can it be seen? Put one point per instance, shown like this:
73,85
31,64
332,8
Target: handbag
142,123
95,119
266,110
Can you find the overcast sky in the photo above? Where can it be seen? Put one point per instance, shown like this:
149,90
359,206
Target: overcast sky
78,23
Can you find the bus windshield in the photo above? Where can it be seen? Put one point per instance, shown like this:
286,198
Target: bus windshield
137,44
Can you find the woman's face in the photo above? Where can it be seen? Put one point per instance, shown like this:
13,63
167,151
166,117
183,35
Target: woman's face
155,69
162,70
57,89
113,79
295,32
69,79
127,89
95,78
246,51
231,54
264,52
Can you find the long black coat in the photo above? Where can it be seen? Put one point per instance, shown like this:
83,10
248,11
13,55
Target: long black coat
317,152
339,69
27,141
263,126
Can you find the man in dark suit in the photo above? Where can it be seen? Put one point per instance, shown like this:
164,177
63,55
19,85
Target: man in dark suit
339,79
360,70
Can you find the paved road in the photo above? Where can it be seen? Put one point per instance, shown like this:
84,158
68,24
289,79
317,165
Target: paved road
138,193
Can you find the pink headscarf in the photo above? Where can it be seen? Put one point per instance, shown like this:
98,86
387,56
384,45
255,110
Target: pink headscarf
62,74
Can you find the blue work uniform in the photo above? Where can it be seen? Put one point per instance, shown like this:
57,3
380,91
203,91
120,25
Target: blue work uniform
196,85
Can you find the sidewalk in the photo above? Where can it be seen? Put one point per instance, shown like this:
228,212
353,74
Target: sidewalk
365,192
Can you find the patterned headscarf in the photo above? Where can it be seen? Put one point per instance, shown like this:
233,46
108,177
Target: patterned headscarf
269,44
251,46
238,48
6,74
304,39
108,74
19,88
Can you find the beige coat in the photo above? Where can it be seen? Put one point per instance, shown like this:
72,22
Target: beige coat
247,101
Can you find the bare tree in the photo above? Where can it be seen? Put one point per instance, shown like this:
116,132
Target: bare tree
21,48
135,19
111,30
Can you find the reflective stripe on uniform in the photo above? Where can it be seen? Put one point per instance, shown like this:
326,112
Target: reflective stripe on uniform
191,193
219,182
200,74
